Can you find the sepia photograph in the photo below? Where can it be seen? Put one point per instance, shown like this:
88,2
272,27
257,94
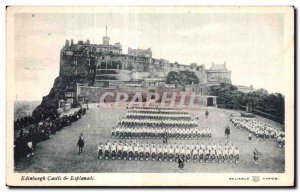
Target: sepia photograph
150,96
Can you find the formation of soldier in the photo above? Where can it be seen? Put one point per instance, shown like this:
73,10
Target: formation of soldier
121,132
158,123
199,152
158,111
158,116
259,129
149,108
25,143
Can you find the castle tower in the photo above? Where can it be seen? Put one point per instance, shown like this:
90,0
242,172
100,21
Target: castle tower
67,43
106,39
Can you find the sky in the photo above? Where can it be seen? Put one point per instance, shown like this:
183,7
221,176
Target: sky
250,44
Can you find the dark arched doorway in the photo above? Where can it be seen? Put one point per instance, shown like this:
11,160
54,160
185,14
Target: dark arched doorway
210,101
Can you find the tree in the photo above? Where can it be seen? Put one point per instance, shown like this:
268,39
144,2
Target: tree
172,78
183,78
268,105
187,77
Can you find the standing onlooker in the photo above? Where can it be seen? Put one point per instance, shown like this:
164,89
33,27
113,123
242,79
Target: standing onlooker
227,131
206,113
250,137
80,143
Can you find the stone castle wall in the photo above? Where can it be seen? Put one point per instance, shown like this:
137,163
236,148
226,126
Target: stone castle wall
103,63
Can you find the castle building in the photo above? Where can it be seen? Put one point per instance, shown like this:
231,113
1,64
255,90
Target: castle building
217,74
104,65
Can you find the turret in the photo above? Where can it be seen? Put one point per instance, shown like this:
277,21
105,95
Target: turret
67,43
106,39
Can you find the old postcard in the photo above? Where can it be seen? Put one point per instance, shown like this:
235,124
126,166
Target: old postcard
150,96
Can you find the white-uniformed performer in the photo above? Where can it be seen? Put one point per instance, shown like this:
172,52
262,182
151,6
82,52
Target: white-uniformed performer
182,151
170,152
177,151
225,153
153,151
207,154
195,153
230,153
125,150
213,155
187,152
130,151
160,152
114,150
136,151
236,155
165,152
100,151
214,146
141,152
120,150
107,150
220,154
147,151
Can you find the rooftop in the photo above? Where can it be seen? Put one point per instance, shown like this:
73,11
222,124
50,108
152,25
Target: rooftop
218,67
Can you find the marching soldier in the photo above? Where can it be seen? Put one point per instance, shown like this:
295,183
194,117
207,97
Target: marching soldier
153,151
130,153
207,154
106,150
188,153
136,151
125,151
195,153
236,155
160,152
120,150
170,152
220,154
213,155
141,152
231,154
147,151
114,150
165,151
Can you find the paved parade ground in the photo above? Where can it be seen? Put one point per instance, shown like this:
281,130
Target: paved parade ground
60,153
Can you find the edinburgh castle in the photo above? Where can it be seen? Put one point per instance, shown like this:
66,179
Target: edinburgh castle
88,70
106,65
